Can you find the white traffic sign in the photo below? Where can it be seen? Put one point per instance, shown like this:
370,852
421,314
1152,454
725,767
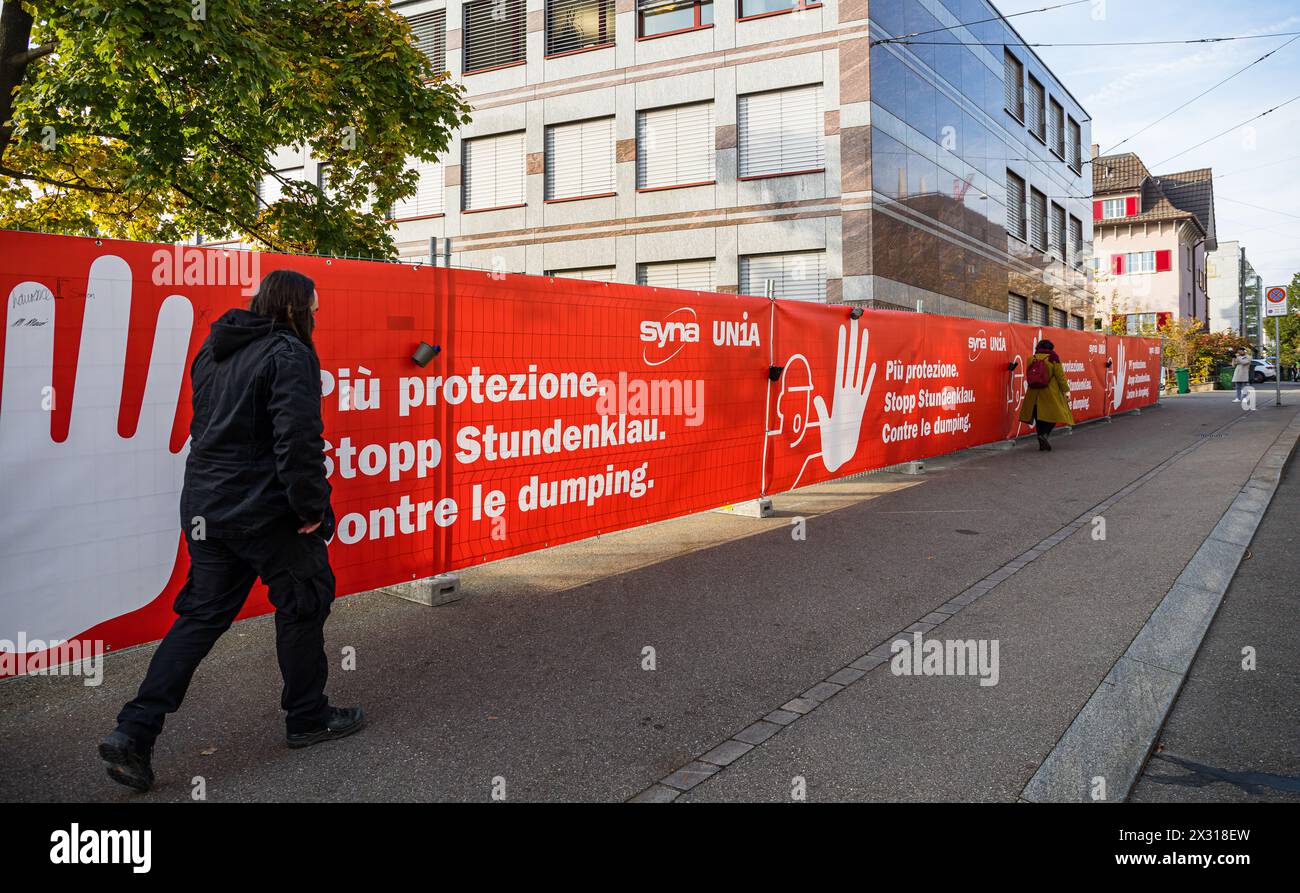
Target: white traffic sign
1275,301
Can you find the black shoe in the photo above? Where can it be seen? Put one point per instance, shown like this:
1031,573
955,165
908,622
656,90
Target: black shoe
343,721
128,761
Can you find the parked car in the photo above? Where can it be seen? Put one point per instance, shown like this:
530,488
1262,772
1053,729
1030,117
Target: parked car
1262,370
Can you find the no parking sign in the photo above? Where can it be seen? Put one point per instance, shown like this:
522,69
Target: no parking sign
1275,301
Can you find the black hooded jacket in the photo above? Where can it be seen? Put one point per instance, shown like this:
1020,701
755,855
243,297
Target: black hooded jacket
256,454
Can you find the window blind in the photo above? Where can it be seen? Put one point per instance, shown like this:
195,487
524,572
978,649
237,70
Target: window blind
692,274
573,25
495,34
798,275
494,171
675,146
430,32
580,159
781,132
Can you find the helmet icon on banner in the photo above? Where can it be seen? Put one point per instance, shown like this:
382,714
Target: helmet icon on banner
794,403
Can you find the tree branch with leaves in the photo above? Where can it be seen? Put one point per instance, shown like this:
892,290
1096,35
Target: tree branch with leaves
159,119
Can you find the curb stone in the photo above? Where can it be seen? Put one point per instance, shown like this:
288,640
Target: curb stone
1112,736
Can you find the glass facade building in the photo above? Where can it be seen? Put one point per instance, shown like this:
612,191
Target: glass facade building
977,163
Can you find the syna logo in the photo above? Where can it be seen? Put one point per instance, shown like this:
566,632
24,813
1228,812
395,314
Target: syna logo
665,339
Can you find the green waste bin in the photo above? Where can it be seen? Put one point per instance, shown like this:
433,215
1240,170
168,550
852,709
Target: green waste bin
1183,377
1225,379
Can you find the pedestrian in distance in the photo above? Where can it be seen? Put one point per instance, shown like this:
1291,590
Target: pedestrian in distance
1241,364
1047,394
255,503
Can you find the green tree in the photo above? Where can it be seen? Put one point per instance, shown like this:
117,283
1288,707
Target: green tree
156,119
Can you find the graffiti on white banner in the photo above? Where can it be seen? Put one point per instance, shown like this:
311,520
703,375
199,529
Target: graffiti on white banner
950,657
56,657
90,847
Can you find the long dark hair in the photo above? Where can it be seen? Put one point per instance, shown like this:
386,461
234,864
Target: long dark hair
285,296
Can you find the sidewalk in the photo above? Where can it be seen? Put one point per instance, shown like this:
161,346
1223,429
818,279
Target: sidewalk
537,677
1234,734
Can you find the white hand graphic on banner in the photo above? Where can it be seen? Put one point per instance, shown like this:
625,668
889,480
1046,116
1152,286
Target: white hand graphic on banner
841,426
89,529
1121,372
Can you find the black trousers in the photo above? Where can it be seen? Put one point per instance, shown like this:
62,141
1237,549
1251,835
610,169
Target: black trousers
1044,428
295,568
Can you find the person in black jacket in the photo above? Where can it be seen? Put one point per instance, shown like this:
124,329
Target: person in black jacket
255,503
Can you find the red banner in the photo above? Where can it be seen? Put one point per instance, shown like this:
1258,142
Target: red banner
557,409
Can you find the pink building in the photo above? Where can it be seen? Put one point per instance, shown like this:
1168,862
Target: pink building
1151,237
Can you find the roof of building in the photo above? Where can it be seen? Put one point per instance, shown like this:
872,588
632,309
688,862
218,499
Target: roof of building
1183,195
1117,173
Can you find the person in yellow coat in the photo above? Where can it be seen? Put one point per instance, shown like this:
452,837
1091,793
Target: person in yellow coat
1047,394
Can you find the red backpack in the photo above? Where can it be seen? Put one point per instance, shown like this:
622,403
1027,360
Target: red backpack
1039,373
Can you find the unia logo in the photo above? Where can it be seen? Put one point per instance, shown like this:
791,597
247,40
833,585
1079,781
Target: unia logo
665,339
736,333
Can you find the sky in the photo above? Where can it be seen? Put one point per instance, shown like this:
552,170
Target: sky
1124,89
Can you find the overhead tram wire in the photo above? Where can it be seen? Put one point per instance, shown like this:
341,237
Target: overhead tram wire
1101,43
1199,95
904,37
1228,130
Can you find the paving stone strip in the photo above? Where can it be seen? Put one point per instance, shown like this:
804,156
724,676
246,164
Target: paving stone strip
727,753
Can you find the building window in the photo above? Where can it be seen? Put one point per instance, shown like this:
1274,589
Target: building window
1112,208
1037,109
1056,129
1015,206
781,132
496,34
1076,242
1076,322
1037,219
1059,318
1017,308
430,195
594,274
494,172
1037,313
1013,84
430,32
271,189
1074,149
332,192
692,274
1140,262
1058,231
323,181
675,146
580,159
751,8
660,17
1140,323
799,275
574,25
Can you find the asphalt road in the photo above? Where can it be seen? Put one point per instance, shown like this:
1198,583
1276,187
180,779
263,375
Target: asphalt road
535,683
